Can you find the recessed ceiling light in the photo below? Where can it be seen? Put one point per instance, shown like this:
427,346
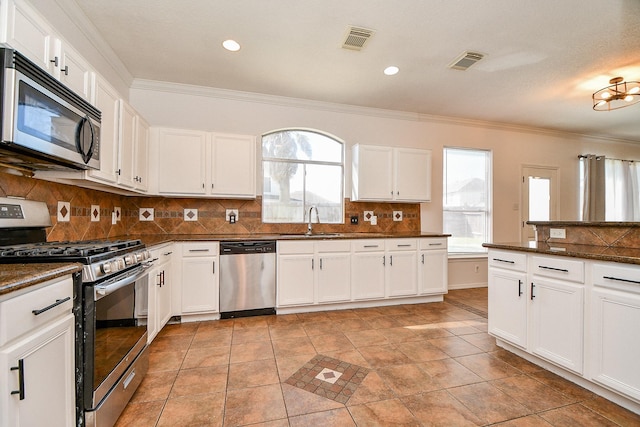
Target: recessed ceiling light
390,71
231,45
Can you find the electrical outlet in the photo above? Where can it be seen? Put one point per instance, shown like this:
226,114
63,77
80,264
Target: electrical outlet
232,216
374,220
397,215
367,215
557,233
476,268
354,219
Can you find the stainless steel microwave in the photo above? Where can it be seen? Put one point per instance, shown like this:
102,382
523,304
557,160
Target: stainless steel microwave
44,125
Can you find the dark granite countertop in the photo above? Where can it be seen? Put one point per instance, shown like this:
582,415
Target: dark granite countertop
599,253
157,239
19,276
586,223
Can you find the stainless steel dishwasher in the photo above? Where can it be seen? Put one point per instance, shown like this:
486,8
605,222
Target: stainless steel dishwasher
247,278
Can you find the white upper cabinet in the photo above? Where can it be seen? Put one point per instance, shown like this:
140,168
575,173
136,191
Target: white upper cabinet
107,100
31,35
196,163
390,174
141,168
181,161
233,165
127,146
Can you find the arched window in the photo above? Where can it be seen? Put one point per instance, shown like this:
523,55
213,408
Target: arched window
300,169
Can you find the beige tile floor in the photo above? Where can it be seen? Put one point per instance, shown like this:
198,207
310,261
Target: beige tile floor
428,365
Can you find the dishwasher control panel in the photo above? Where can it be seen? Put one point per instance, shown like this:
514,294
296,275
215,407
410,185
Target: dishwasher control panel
248,247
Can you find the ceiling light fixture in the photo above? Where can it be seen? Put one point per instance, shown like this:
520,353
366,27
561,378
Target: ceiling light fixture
391,71
618,94
231,45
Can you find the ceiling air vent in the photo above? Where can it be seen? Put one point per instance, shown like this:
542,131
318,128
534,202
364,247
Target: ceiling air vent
466,60
356,38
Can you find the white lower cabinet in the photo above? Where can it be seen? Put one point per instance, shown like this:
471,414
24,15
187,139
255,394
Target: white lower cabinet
200,277
333,275
557,322
368,269
295,268
433,266
37,357
402,267
159,290
508,305
615,316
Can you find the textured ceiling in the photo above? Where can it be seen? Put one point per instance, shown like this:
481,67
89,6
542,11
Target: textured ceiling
543,61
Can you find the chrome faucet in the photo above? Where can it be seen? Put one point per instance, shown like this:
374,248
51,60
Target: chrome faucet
309,226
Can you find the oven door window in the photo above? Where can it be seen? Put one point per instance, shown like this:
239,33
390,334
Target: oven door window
119,327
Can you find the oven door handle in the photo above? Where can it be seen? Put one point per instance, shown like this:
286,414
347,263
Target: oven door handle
101,291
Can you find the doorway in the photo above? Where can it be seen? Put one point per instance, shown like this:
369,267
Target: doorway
539,198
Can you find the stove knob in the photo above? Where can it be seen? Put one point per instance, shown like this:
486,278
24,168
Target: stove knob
121,263
128,260
106,268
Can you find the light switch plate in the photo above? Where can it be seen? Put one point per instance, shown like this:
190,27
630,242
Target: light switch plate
191,214
64,211
397,215
374,220
557,233
146,214
367,215
95,213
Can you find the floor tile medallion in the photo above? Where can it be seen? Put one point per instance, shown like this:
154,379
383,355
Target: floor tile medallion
329,377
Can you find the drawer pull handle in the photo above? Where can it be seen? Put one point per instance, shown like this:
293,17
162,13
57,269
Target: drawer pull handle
564,270
49,307
370,246
404,246
20,369
504,260
435,244
621,280
167,253
198,250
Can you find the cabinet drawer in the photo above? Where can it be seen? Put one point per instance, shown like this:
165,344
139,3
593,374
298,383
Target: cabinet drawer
401,244
433,243
616,276
333,246
368,245
508,260
17,315
558,268
200,249
295,247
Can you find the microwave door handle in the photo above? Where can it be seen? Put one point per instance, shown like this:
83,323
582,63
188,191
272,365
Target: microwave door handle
84,122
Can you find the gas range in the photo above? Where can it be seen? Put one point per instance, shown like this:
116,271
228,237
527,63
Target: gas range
101,259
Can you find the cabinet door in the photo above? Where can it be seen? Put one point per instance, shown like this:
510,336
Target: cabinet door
127,149
367,275
412,169
76,72
233,165
154,278
107,100
295,279
181,161
48,366
141,167
433,274
200,287
372,178
31,35
557,324
615,347
508,306
334,277
163,297
402,273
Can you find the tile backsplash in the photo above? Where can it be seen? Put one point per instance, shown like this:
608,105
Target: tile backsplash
168,213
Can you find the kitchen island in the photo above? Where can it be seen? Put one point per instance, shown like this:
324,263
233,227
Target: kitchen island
572,308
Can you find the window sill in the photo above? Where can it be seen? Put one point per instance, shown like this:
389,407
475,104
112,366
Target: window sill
466,255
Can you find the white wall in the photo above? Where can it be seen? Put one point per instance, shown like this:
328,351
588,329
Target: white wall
227,111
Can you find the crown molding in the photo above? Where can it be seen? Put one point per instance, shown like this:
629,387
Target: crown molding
86,27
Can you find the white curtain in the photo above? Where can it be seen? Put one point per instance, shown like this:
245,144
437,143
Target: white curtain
622,190
592,186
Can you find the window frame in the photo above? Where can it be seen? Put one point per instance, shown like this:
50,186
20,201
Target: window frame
488,210
304,164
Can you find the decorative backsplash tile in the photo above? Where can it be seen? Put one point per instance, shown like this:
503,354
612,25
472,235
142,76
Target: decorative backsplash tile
160,215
